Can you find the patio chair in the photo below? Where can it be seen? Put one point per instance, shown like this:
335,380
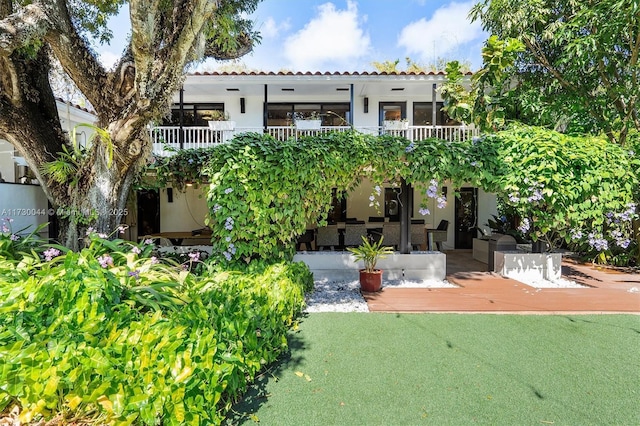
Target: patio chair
327,236
418,239
353,233
391,234
438,235
306,239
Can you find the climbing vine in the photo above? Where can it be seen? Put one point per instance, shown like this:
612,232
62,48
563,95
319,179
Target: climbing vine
263,193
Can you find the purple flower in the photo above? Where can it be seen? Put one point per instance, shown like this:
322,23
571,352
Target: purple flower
513,197
432,191
424,211
102,235
623,243
536,196
154,260
90,230
229,224
597,242
105,260
194,257
148,241
5,229
378,189
442,202
8,220
135,274
216,208
14,237
136,250
228,190
121,229
576,234
50,253
372,198
227,255
410,147
524,226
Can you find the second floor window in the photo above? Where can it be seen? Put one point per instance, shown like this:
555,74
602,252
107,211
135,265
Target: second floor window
194,114
423,115
333,114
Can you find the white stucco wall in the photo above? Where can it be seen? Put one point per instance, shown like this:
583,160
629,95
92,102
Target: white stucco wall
187,211
487,206
26,205
7,168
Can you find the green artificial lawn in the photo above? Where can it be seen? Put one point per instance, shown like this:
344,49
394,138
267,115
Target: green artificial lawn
447,369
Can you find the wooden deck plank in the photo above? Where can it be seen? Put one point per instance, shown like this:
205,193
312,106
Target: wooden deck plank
481,291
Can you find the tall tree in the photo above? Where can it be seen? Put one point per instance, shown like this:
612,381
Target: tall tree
92,186
579,69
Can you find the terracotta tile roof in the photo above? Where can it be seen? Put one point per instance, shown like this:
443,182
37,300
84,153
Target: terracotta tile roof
76,106
317,73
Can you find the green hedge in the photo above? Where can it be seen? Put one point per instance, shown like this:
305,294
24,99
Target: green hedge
113,336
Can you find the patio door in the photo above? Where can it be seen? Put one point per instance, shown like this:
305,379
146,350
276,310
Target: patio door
466,218
149,211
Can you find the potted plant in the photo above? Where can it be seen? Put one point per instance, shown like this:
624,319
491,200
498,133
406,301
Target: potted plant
311,121
219,120
370,252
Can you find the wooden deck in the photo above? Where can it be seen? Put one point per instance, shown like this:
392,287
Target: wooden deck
481,291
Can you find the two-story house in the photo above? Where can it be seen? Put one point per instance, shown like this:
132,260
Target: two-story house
404,103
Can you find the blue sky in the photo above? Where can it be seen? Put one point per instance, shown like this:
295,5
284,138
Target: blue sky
348,35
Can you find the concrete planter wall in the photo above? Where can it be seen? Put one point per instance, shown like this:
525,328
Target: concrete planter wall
516,264
336,266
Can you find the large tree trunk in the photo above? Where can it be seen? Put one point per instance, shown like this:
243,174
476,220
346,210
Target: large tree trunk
165,37
99,201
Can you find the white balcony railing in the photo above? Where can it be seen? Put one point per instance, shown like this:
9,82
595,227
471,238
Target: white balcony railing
167,139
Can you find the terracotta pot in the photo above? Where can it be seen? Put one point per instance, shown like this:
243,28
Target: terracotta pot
371,281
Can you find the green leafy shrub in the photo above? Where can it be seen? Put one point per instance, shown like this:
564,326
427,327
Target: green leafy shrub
582,189
111,335
14,245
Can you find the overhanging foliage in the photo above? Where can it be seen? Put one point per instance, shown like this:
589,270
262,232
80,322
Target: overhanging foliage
263,193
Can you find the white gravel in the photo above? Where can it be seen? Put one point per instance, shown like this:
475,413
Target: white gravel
536,282
344,296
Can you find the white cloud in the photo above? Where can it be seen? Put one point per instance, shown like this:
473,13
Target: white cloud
448,30
333,36
271,29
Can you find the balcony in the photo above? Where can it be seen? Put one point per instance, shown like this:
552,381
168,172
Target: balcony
168,139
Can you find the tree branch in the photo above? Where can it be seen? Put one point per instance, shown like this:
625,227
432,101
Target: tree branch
77,58
19,29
